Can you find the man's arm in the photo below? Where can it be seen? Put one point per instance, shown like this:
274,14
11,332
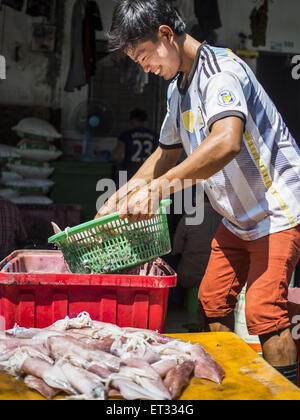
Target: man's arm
214,153
155,166
158,164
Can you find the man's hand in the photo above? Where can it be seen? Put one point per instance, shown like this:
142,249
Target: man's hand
111,206
104,211
143,204
155,166
121,198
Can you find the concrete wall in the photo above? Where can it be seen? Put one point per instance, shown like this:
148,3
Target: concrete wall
36,78
106,9
283,31
28,75
283,27
26,70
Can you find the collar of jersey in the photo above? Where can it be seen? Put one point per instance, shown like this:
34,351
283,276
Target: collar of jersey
191,75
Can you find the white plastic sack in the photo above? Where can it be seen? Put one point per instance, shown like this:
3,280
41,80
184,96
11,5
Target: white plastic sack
8,174
37,150
36,128
31,169
32,186
31,199
9,194
240,327
8,152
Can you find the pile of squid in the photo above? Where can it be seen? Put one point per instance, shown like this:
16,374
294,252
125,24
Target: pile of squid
92,360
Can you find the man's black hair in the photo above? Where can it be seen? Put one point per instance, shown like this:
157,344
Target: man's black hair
139,20
139,115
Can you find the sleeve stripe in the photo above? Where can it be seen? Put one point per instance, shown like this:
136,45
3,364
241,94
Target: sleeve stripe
225,114
171,146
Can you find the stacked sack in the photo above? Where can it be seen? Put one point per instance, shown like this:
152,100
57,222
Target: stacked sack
32,168
8,154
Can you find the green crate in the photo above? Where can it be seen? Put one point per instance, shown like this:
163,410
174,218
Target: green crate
110,244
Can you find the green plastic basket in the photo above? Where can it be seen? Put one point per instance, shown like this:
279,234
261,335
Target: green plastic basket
109,244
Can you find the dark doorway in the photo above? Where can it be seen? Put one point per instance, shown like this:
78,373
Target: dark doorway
274,71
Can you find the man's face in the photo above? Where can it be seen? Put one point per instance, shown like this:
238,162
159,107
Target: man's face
160,57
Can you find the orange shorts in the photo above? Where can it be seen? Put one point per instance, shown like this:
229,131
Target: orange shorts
265,264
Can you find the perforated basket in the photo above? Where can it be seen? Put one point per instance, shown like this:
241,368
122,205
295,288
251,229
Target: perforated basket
110,244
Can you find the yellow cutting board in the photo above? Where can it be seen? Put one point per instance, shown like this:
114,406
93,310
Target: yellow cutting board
248,376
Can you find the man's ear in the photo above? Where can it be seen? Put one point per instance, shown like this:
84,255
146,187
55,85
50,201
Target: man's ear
164,31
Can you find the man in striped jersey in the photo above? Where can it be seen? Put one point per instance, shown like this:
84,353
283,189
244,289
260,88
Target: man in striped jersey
240,148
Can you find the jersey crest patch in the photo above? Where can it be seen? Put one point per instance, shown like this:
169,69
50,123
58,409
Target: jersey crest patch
226,98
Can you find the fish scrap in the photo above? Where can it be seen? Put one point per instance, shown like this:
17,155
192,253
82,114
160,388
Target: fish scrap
93,360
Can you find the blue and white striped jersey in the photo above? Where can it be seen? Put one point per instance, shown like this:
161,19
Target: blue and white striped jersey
258,192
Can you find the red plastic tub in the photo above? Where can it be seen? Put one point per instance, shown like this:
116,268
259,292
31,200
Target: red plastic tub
37,289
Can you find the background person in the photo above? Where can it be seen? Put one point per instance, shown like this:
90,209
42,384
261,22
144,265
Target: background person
135,145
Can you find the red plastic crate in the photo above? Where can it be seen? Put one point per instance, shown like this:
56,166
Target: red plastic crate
37,289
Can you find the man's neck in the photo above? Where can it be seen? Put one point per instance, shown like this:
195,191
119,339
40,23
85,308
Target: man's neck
189,49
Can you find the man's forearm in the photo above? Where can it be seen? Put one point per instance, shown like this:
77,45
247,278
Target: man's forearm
157,164
209,158
202,164
152,168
